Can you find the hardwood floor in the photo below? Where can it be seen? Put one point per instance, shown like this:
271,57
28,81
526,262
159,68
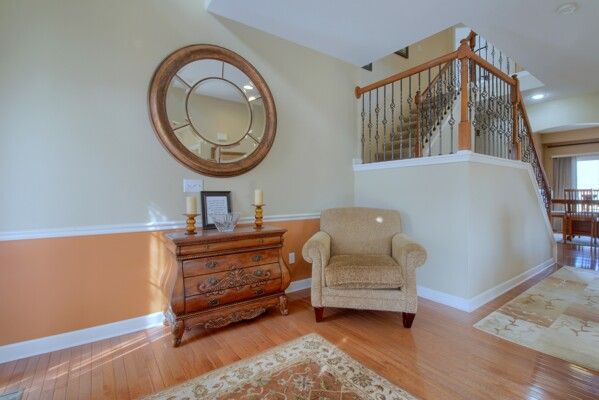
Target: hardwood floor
441,357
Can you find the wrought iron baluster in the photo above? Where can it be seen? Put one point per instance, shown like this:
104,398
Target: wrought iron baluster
440,106
376,113
507,103
392,106
491,114
409,100
500,110
430,114
362,139
401,117
370,126
384,122
453,85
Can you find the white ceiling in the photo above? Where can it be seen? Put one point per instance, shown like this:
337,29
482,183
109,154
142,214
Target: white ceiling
560,50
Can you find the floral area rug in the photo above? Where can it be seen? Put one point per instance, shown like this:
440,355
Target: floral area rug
306,368
558,316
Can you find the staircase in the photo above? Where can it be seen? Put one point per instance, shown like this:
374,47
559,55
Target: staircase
459,101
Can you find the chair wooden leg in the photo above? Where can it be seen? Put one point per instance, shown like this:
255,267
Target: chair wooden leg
318,313
408,319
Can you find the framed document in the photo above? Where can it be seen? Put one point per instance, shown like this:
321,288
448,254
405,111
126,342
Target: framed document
214,203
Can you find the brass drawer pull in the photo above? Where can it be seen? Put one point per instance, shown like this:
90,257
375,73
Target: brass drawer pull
259,272
259,292
256,258
211,264
213,302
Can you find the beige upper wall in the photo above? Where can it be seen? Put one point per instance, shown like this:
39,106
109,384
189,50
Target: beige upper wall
425,50
563,112
76,144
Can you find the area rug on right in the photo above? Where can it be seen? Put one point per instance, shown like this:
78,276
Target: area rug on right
557,316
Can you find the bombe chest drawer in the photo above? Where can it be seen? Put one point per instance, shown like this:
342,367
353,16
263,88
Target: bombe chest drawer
213,279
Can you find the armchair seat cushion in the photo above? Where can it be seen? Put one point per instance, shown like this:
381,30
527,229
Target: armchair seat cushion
358,271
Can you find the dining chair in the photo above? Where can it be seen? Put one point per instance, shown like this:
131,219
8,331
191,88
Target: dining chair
581,218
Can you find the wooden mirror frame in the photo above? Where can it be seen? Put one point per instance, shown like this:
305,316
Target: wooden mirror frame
157,104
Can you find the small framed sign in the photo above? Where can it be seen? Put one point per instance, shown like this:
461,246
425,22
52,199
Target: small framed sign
214,203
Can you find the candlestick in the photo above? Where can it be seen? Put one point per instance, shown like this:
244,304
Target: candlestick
190,228
258,215
258,197
191,205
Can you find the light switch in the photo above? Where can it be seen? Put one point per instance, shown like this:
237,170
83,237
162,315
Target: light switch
292,258
193,185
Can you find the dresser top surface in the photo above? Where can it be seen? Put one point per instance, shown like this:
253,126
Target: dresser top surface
179,237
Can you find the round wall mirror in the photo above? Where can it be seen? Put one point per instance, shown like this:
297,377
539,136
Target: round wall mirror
212,110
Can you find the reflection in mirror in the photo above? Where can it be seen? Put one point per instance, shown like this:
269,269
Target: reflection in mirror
211,104
237,151
175,103
195,71
219,111
258,119
194,143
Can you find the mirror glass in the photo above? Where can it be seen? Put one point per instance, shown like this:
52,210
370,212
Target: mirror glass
215,111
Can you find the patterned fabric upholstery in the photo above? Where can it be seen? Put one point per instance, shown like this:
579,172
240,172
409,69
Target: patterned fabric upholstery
351,234
357,230
363,272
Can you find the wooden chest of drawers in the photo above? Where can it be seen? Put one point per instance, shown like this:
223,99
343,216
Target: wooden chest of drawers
213,279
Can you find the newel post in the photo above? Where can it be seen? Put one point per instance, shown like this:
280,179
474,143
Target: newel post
464,127
515,113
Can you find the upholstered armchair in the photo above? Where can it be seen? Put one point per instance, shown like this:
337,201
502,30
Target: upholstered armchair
360,259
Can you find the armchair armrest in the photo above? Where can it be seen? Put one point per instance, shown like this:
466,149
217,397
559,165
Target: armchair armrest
317,251
407,252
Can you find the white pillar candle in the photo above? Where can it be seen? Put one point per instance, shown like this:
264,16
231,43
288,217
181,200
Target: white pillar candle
258,197
191,205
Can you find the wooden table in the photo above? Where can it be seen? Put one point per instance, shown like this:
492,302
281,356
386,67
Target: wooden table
580,227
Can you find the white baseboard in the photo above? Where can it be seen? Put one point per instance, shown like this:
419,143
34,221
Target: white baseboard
15,351
296,286
483,298
443,298
493,293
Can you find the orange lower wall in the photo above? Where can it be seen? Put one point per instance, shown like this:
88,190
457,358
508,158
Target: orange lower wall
56,285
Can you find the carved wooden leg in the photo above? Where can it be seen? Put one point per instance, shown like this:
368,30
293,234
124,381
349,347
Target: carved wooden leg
318,313
408,318
283,305
178,329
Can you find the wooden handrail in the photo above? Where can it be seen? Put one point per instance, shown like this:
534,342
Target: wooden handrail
432,83
491,68
409,72
529,134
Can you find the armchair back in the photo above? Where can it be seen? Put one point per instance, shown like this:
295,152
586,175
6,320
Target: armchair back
359,230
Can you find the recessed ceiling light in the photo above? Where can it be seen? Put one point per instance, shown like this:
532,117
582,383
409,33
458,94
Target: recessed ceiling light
248,87
537,96
567,8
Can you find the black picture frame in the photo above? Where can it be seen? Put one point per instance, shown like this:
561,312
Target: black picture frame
205,211
405,52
